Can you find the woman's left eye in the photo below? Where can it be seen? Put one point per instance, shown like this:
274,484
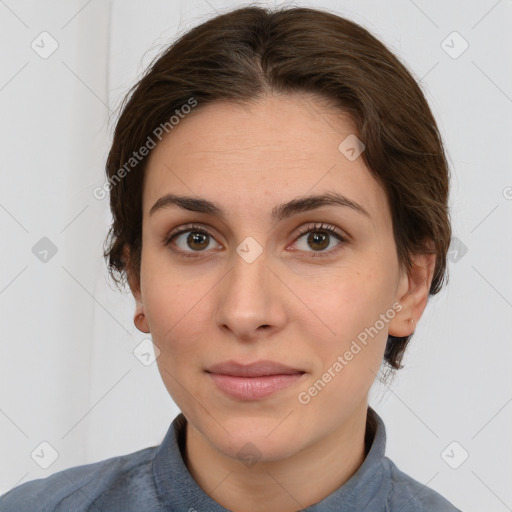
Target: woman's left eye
319,235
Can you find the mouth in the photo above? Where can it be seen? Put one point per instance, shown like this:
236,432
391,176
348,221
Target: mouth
253,381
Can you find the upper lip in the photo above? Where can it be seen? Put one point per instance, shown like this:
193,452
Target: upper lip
256,369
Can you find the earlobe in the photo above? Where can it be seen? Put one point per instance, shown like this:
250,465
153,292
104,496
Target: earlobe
140,321
413,294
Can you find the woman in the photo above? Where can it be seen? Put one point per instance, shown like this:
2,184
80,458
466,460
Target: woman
279,195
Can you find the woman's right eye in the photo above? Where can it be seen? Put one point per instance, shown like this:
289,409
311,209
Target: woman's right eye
197,238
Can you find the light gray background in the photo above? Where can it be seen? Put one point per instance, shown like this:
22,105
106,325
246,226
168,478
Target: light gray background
68,375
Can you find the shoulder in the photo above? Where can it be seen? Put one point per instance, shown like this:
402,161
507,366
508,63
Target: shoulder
79,487
406,493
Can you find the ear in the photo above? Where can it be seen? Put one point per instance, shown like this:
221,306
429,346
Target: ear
139,318
412,294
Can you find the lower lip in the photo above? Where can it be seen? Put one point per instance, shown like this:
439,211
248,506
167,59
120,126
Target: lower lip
253,388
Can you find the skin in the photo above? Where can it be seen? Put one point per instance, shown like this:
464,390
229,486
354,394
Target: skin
204,310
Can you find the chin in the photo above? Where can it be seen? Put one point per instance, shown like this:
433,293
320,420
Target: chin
258,439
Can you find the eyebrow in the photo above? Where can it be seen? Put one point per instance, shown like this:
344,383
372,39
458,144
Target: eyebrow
280,212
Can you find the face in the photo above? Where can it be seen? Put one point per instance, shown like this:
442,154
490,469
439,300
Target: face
296,286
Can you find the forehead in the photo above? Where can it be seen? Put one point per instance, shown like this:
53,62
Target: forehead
260,154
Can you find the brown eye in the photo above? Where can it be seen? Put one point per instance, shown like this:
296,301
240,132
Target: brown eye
319,238
197,241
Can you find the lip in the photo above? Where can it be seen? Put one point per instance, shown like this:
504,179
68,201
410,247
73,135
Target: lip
256,369
253,381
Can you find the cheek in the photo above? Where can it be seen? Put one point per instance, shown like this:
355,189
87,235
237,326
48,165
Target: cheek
176,319
175,310
349,353
355,313
352,300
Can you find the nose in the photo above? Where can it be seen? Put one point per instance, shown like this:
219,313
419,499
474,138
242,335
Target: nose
250,300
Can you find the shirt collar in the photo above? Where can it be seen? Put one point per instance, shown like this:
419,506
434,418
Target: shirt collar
178,490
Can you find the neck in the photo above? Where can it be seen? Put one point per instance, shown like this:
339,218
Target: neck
278,486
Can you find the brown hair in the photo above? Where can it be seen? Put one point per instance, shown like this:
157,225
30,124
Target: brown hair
244,53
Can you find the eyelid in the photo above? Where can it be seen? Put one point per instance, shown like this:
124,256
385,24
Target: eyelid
320,226
189,227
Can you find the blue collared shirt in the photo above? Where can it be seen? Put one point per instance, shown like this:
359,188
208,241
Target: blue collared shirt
157,479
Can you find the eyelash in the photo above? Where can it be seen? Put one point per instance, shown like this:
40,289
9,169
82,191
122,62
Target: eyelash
327,228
